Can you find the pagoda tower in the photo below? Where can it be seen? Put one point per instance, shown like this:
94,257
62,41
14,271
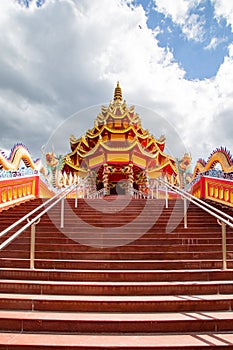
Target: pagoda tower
117,151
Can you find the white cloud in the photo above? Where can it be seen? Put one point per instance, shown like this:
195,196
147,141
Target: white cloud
214,42
68,55
224,8
192,25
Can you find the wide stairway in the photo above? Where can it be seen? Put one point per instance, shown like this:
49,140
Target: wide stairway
121,274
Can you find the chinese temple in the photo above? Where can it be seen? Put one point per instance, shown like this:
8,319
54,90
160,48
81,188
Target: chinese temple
118,152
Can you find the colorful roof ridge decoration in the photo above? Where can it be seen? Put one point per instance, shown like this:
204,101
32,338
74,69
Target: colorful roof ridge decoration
118,137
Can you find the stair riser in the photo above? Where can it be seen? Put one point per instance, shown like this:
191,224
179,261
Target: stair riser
116,256
58,326
29,288
117,276
181,236
109,306
115,265
118,247
139,242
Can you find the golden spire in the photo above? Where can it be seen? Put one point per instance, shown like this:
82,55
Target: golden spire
118,93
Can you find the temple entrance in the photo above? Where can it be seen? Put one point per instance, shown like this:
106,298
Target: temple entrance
118,181
117,189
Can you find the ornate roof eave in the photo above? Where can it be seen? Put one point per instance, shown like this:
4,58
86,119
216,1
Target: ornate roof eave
83,155
166,164
114,116
166,156
120,131
122,149
142,149
76,168
146,153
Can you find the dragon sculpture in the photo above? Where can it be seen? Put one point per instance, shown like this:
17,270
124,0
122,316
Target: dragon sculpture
51,171
184,169
17,154
219,156
54,165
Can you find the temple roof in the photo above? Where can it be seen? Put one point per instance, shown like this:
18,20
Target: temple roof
118,129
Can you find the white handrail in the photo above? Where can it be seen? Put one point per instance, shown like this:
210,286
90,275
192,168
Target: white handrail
36,218
208,205
29,214
223,219
200,203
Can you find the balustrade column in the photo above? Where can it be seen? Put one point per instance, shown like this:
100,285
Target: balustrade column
130,179
105,179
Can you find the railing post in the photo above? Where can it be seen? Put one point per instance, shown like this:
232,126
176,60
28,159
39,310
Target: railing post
166,198
185,213
32,244
157,190
62,213
32,247
224,246
76,197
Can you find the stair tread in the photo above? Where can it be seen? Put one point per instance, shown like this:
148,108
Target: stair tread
121,340
116,283
116,271
117,298
119,260
117,316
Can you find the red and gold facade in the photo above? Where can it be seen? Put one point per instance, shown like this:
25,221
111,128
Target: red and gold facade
118,150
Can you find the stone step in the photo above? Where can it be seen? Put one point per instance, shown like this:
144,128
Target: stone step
103,303
190,236
116,247
161,291
140,242
83,322
116,287
197,341
115,264
116,275
122,255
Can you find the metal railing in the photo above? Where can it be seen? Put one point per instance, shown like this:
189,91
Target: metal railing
138,194
222,218
35,220
97,194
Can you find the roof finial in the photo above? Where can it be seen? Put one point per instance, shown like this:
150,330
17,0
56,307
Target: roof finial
118,93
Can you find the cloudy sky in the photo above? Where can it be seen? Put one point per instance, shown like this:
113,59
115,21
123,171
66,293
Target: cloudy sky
61,59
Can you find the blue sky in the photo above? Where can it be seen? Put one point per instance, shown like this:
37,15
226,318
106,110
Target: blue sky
173,58
198,61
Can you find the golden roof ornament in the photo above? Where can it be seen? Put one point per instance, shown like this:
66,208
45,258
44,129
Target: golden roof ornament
118,93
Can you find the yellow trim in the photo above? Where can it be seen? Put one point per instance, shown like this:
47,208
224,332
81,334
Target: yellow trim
138,161
96,160
118,157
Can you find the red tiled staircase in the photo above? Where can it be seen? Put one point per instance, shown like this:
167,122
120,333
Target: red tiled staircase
122,274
